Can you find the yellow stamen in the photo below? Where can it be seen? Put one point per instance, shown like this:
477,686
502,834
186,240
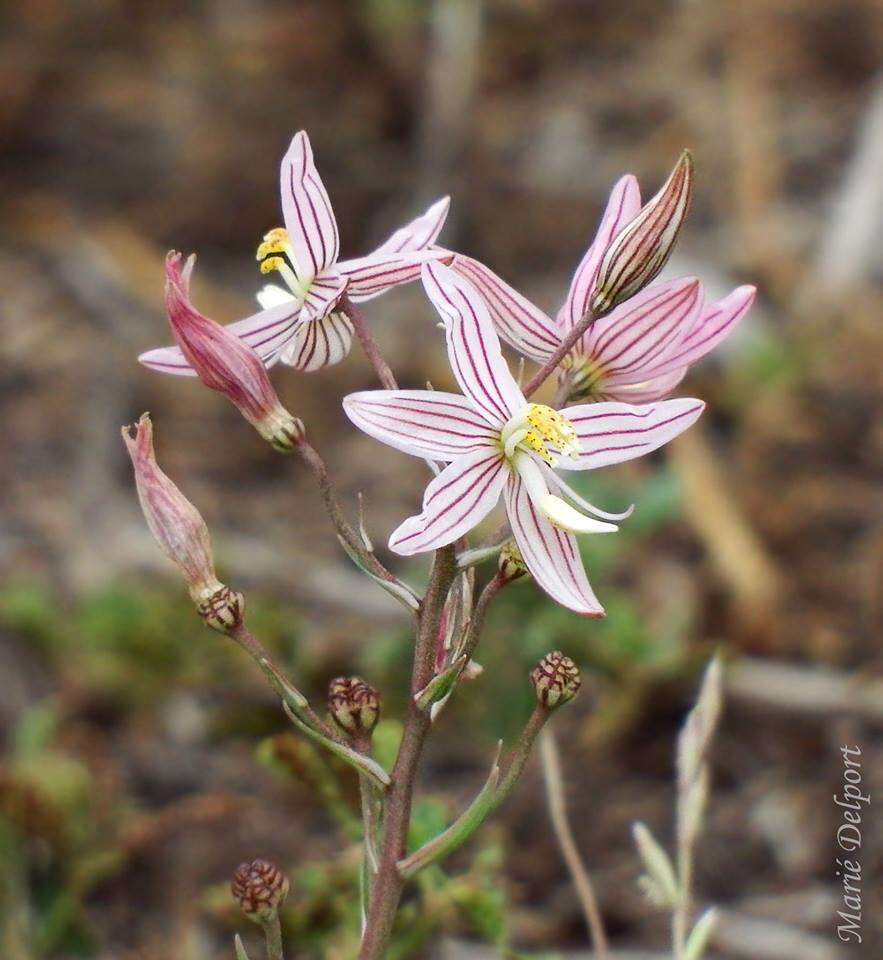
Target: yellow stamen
272,263
549,428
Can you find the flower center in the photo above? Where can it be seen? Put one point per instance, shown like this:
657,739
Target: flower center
540,428
584,376
277,253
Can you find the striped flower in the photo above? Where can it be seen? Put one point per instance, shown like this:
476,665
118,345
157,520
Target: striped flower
497,444
639,351
301,324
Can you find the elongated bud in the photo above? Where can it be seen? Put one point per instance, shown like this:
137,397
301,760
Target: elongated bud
354,705
259,887
555,679
510,563
226,363
178,528
640,250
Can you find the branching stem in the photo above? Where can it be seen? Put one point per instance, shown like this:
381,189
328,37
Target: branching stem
548,368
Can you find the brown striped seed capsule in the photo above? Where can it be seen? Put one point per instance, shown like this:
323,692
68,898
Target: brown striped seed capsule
555,679
354,704
259,887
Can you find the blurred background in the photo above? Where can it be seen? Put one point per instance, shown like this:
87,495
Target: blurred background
141,757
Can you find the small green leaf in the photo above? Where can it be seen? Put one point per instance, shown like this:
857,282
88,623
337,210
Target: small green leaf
701,935
239,948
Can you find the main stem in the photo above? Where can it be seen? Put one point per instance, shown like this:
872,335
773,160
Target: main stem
389,883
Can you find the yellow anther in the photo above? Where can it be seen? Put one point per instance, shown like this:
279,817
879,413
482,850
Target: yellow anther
276,241
272,263
549,428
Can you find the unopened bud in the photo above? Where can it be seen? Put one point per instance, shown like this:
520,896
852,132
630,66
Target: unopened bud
178,528
510,563
555,679
226,363
259,887
640,250
354,704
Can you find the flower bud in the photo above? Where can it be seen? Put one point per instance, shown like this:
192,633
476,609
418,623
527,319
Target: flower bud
226,363
510,564
259,887
555,679
640,250
354,704
178,528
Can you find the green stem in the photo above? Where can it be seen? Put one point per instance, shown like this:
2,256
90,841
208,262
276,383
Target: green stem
273,934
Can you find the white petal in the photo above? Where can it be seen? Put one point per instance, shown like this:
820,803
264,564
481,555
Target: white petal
473,345
274,296
309,219
521,324
375,274
421,232
459,498
320,343
715,322
551,555
612,432
323,295
423,423
644,330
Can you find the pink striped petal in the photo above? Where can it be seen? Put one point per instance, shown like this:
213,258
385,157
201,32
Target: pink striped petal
628,342
473,346
420,233
623,206
458,499
323,295
309,219
267,332
370,276
655,389
424,423
551,555
319,343
614,432
716,322
521,324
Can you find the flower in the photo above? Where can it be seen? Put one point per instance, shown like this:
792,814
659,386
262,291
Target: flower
178,528
225,363
497,444
639,351
300,325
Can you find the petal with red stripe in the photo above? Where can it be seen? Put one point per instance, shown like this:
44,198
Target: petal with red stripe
309,219
551,555
612,432
473,345
522,325
622,206
319,343
458,499
423,423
